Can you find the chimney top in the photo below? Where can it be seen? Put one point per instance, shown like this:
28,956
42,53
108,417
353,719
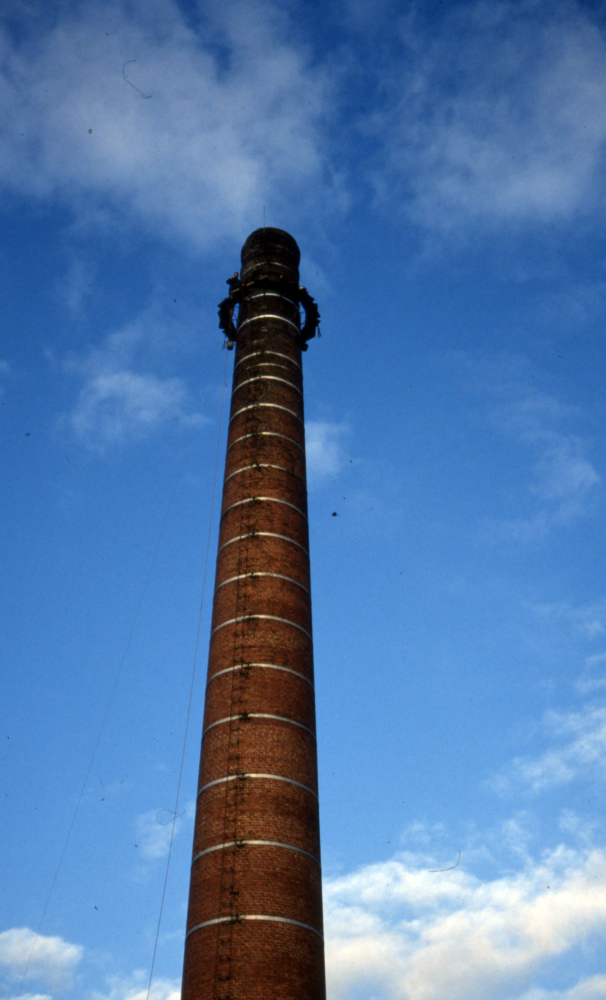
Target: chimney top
269,241
269,249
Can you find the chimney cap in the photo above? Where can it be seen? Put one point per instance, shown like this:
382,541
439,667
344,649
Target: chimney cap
273,244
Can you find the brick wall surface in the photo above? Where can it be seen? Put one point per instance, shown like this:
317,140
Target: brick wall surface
255,910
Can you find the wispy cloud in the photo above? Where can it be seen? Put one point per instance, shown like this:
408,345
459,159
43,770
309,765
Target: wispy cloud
563,485
578,751
31,996
587,619
593,678
5,371
154,830
125,110
50,961
119,407
188,127
591,988
135,988
324,448
563,482
120,400
499,117
396,931
76,285
572,739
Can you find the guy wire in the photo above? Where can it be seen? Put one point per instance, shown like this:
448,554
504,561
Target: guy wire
101,728
106,714
191,687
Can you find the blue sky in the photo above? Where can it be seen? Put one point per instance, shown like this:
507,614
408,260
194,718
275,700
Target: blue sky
442,168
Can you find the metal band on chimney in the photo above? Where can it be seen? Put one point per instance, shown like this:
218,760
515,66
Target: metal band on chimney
273,406
254,843
276,354
258,666
286,503
256,573
262,465
245,716
267,434
266,378
246,775
238,917
263,534
248,618
262,295
270,316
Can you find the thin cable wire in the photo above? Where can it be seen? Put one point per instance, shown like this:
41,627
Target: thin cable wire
101,728
191,686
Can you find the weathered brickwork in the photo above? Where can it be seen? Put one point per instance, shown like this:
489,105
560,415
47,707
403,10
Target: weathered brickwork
270,880
270,810
255,911
261,641
266,690
273,960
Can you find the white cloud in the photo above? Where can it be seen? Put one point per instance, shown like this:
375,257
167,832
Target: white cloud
118,407
500,115
592,988
50,961
154,830
563,485
31,996
397,932
588,619
581,752
119,403
135,988
575,738
563,482
233,120
594,675
324,448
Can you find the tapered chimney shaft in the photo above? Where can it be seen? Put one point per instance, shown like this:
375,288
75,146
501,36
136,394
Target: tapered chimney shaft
254,929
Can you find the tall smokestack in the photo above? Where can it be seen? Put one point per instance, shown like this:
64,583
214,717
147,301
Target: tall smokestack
254,928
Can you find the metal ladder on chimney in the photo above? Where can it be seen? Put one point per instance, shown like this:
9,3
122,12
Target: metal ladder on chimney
234,789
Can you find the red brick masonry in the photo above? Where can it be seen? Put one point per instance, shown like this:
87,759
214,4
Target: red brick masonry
254,928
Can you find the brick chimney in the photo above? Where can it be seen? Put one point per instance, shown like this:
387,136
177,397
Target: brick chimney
254,927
